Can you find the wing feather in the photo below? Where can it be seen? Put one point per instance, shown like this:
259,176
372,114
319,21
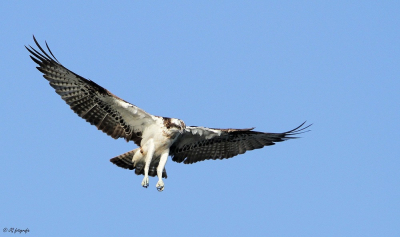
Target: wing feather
98,106
199,143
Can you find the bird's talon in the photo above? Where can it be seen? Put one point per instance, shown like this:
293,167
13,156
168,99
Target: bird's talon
160,189
160,186
145,182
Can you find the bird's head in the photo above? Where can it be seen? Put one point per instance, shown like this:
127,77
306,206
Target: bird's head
174,124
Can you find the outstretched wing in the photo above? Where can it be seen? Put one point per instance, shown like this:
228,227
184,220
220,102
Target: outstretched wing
199,143
92,102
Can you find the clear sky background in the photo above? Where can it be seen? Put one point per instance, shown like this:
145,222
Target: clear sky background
227,64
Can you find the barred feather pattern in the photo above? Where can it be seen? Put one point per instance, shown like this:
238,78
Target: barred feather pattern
225,143
86,98
120,119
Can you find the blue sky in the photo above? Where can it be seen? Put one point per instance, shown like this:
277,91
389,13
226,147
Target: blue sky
228,64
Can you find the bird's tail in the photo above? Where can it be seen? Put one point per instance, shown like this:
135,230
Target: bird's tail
125,161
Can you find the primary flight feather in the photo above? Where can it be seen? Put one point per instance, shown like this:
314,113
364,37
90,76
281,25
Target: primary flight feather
157,137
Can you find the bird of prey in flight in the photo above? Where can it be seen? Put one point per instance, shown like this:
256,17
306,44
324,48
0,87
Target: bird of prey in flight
157,137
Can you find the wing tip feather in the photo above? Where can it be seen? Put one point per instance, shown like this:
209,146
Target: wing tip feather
298,130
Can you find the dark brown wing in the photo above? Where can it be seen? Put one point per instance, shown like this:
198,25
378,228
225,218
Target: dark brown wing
198,143
92,102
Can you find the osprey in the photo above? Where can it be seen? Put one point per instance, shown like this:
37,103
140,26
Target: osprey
157,137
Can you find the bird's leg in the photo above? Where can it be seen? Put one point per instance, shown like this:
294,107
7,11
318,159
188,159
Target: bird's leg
137,156
149,150
160,169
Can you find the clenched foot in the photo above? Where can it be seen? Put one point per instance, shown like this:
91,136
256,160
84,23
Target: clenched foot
145,182
160,186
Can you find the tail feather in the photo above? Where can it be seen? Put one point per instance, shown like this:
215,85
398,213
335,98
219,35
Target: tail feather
124,160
